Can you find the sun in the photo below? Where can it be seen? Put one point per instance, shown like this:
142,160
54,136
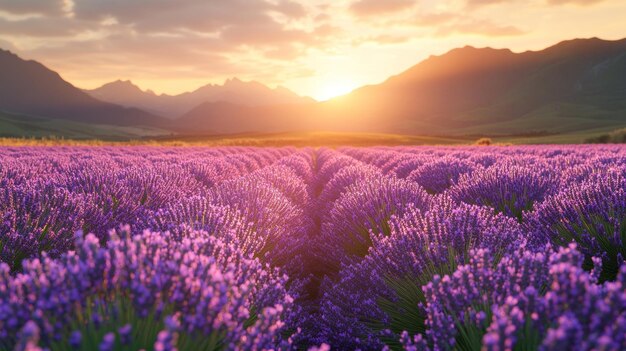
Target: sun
333,89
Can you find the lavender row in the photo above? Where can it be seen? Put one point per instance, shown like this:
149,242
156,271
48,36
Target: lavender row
46,195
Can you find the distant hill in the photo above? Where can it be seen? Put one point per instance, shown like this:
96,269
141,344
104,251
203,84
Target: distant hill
227,118
21,126
233,91
29,88
573,86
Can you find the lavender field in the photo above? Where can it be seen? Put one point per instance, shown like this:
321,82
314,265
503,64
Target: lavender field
380,248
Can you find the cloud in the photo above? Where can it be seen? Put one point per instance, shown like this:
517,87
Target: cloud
575,2
291,9
383,39
43,7
435,19
458,23
478,3
205,16
479,27
367,8
235,23
225,26
41,27
149,57
327,30
262,33
94,41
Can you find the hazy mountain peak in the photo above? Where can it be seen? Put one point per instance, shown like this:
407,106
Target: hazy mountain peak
233,80
120,92
233,91
469,51
124,82
121,85
587,46
236,83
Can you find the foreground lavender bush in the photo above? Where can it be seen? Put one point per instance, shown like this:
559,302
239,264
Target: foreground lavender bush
592,214
374,301
527,301
142,291
364,210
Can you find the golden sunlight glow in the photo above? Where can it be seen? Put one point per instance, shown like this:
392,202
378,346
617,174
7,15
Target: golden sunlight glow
334,89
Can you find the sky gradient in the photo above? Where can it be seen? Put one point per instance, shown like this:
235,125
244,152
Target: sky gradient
319,48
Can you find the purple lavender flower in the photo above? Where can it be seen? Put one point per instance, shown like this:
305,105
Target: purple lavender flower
28,338
125,334
591,214
108,342
36,216
507,188
364,210
438,175
75,339
527,300
213,286
375,300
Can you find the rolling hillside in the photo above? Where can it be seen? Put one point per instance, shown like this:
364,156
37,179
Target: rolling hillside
12,125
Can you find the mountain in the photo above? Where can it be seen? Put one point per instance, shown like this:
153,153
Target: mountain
572,86
29,88
125,93
233,91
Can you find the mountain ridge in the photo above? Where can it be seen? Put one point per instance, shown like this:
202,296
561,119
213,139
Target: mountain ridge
233,90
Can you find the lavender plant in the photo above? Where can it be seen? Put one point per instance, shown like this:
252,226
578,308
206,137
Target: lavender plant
136,288
591,214
376,300
364,210
36,216
527,301
437,176
509,189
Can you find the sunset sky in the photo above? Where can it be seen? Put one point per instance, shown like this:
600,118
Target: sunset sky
319,48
